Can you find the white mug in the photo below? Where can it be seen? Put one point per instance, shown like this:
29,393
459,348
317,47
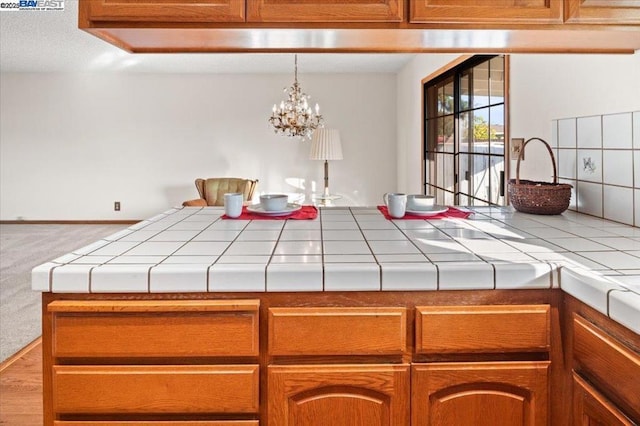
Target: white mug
396,203
233,204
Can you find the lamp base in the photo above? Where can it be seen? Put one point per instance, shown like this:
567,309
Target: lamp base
327,197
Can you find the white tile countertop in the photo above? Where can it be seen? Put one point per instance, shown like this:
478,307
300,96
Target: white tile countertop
192,249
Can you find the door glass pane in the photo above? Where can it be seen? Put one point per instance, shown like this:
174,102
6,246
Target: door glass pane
481,85
448,98
496,129
464,174
480,176
497,166
481,131
439,169
465,131
448,171
448,139
463,200
449,198
496,77
465,90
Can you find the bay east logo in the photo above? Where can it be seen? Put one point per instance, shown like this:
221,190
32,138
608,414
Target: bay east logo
38,5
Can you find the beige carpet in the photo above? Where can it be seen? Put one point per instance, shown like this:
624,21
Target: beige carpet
23,247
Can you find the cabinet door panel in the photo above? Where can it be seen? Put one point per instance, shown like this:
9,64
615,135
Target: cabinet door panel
590,408
325,11
480,394
338,395
164,10
494,11
621,12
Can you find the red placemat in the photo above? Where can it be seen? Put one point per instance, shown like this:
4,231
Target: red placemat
306,212
451,213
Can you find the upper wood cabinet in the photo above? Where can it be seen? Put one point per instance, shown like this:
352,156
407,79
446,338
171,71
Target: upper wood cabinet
602,11
486,12
325,11
180,11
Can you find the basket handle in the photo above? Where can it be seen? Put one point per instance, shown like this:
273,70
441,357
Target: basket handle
553,160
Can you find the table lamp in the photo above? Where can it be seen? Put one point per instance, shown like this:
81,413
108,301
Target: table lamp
325,145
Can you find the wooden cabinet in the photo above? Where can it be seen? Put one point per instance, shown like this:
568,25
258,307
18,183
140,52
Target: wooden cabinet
483,329
153,360
338,395
337,331
486,12
335,390
325,11
480,394
504,392
612,370
591,408
618,12
165,11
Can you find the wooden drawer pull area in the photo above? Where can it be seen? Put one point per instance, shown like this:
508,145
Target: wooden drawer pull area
487,329
156,389
153,423
337,331
155,328
615,368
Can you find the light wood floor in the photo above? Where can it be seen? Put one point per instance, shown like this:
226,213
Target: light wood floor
21,387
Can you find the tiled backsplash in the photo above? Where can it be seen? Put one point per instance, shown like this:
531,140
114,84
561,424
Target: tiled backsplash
600,156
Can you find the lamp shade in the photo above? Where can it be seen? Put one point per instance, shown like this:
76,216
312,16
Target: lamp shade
326,145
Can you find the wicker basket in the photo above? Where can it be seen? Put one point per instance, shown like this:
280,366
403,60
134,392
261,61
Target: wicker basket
539,197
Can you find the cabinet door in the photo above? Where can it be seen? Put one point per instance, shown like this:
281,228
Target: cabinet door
163,10
325,11
480,394
494,11
590,408
338,395
615,12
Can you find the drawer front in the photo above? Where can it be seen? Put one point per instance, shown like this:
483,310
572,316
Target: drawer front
155,329
486,329
154,423
614,367
337,331
154,389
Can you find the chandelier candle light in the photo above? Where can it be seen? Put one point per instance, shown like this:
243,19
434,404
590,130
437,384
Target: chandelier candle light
294,117
326,145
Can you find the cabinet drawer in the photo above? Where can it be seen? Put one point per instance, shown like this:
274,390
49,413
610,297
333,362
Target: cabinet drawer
155,389
159,423
612,366
155,328
337,331
487,329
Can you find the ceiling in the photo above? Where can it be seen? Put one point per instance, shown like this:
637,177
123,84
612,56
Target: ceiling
50,41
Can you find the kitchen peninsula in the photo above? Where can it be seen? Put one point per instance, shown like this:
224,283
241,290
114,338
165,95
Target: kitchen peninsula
350,318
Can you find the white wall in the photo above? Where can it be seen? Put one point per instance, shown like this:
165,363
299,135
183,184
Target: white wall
72,144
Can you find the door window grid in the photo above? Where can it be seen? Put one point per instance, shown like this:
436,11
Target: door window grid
464,133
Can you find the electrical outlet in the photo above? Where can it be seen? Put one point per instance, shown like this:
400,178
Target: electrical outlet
517,145
116,206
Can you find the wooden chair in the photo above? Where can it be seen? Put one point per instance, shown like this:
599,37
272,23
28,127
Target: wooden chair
212,190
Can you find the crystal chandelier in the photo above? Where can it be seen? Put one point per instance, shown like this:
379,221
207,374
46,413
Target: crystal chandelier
294,117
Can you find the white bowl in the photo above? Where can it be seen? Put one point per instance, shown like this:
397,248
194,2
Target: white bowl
274,202
420,202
